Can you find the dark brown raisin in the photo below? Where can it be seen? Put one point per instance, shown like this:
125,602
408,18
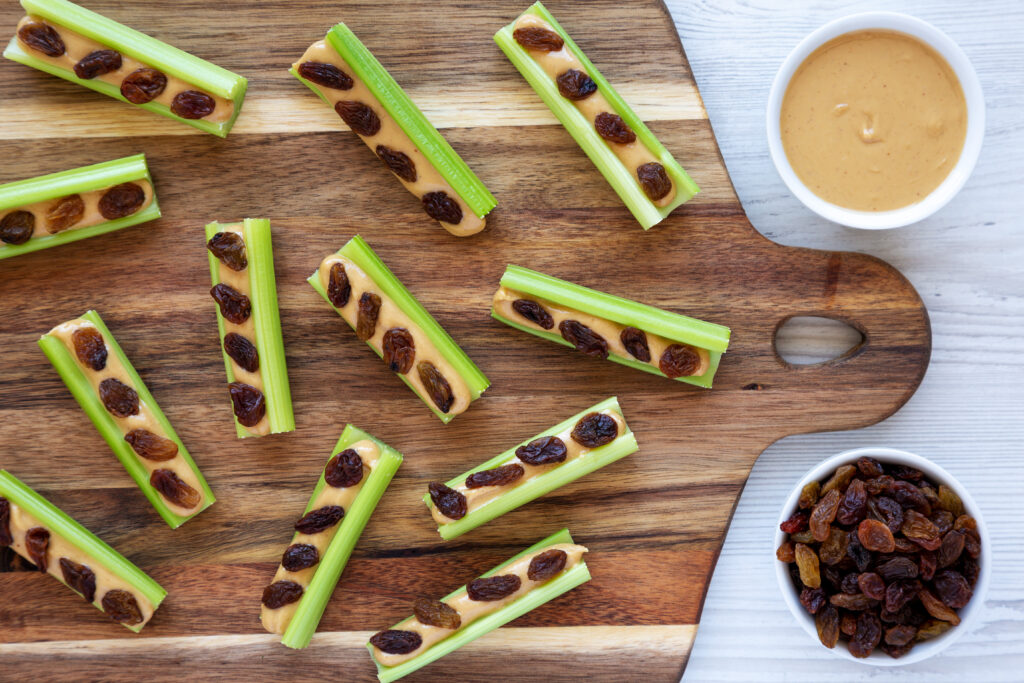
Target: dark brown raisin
900,592
436,613
242,351
150,445
848,624
395,642
448,501
343,470
5,522
37,543
813,599
538,38
679,360
315,521
399,163
952,588
121,200
909,496
543,451
897,568
499,476
970,569
942,520
64,213
891,512
575,85
583,338
42,38
248,403
192,104
937,608
546,565
654,180
174,489
437,386
905,472
951,549
122,607
79,578
90,348
17,227
867,636
880,485
366,320
635,341
796,523
534,312
869,467
359,117
854,505
441,207
338,287
875,536
850,584
858,553
594,430
493,588
900,635
612,128
399,350
871,585
823,514
281,593
120,399
928,563
300,556
143,85
327,75
234,305
229,248
98,63
826,621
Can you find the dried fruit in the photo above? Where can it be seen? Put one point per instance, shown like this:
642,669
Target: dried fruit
229,248
869,467
359,117
441,207
583,338
436,613
875,536
897,568
546,565
848,624
493,587
871,585
248,403
299,556
344,469
119,398
635,341
612,128
858,553
807,565
143,85
192,104
78,577
840,480
952,588
932,629
534,312
122,607
867,636
833,549
905,472
90,348
538,38
499,476
951,548
827,623
785,552
890,512
234,305
880,485
64,213
399,350
928,562
970,568
436,385
327,75
338,287
37,543
920,529
823,514
543,451
654,180
366,318
17,227
854,505
121,200
395,642
900,592
399,163
450,502
42,38
809,495
242,351
796,523
281,593
575,85
942,520
900,635
315,521
804,536
950,501
937,608
855,602
594,430
909,496
813,599
679,360
5,523
174,489
972,538
98,63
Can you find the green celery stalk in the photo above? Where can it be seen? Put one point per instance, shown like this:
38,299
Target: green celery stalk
74,181
360,253
678,328
57,522
150,51
266,319
313,602
571,579
622,179
67,367
557,476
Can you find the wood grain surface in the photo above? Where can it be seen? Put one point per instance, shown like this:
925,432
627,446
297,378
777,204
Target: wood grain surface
654,521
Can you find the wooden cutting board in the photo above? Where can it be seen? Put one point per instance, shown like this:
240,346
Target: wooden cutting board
654,522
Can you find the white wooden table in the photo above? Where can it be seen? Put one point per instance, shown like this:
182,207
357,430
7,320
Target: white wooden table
967,262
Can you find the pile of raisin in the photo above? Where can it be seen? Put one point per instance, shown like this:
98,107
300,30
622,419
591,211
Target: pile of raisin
881,557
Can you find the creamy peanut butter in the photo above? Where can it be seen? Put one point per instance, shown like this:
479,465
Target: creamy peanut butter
78,46
277,620
471,610
873,120
391,316
391,135
143,420
610,331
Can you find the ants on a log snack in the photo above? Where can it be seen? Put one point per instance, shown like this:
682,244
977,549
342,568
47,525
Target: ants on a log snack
106,386
605,326
81,46
350,486
388,318
61,547
596,437
634,162
349,78
71,205
535,576
242,269
881,556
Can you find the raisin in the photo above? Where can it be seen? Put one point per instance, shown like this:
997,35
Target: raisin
813,599
796,523
122,607
534,312
854,505
143,85
785,552
538,38
906,473
399,349
121,200
248,403
343,470
906,547
499,476
450,502
635,341
359,117
950,501
315,521
807,564
896,651
192,104
970,569
327,75
612,128
823,514
937,608
930,494
848,624
120,399
900,635
855,602
594,430
920,530
679,360
804,536
867,635
64,213
281,593
875,536
441,207
827,623
546,565
942,520
493,588
79,578
338,287
395,642
42,38
900,592
174,489
951,549
928,563
833,549
891,513
879,485
399,163
90,347
909,496
543,451
869,467
809,495
242,351
37,543
952,588
934,628
300,556
436,613
229,248
583,338
871,585
98,63
5,523
861,557
840,480
575,85
437,386
897,568
234,305
17,227
654,180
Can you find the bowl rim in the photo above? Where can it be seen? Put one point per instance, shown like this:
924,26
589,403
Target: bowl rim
958,175
968,614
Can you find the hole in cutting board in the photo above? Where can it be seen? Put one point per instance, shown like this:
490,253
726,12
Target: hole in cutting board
807,340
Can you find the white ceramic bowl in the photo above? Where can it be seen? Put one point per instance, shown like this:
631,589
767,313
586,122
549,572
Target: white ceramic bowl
944,45
968,614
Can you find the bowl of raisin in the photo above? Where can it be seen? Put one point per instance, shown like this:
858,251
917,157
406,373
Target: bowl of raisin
883,556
